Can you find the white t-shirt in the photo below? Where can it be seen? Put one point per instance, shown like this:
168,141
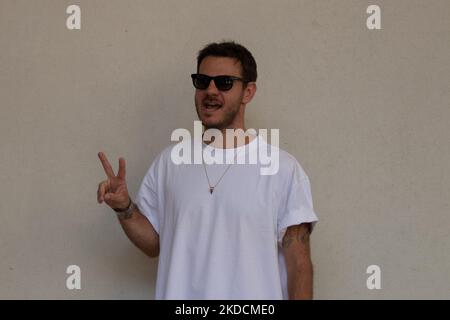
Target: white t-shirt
224,245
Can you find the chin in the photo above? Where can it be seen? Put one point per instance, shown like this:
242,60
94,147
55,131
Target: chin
212,124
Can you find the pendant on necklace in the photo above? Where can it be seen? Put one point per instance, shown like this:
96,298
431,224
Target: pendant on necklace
211,189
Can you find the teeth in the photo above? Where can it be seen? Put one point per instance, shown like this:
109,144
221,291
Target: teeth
212,105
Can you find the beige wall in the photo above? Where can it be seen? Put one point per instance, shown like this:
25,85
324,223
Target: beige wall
365,112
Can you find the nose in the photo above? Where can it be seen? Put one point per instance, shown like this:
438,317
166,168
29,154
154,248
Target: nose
212,89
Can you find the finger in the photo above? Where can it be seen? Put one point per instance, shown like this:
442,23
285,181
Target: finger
108,169
101,191
113,199
121,173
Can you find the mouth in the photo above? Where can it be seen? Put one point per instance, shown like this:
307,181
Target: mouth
211,106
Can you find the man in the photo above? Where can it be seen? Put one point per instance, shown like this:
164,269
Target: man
221,231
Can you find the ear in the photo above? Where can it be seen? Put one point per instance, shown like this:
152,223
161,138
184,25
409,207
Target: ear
249,92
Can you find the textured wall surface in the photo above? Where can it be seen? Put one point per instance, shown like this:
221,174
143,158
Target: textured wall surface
365,112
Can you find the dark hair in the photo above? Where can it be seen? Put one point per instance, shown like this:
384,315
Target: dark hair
234,50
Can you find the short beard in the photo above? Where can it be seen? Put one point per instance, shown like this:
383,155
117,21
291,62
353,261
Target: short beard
228,119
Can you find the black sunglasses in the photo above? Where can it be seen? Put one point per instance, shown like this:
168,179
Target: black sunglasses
223,83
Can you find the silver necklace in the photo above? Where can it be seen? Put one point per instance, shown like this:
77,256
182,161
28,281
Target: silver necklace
211,188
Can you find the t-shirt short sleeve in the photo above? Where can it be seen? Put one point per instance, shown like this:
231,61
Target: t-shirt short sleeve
147,197
297,204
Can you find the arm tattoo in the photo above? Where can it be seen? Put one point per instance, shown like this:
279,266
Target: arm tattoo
287,240
299,234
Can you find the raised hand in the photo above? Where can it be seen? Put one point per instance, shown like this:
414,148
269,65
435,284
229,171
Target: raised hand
113,190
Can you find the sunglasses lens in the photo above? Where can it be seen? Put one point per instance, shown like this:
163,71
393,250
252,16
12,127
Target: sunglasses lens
200,81
223,83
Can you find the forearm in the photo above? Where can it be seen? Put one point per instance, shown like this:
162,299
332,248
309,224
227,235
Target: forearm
300,282
297,254
141,233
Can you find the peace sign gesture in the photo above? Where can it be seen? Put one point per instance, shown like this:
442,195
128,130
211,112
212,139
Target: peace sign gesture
113,190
